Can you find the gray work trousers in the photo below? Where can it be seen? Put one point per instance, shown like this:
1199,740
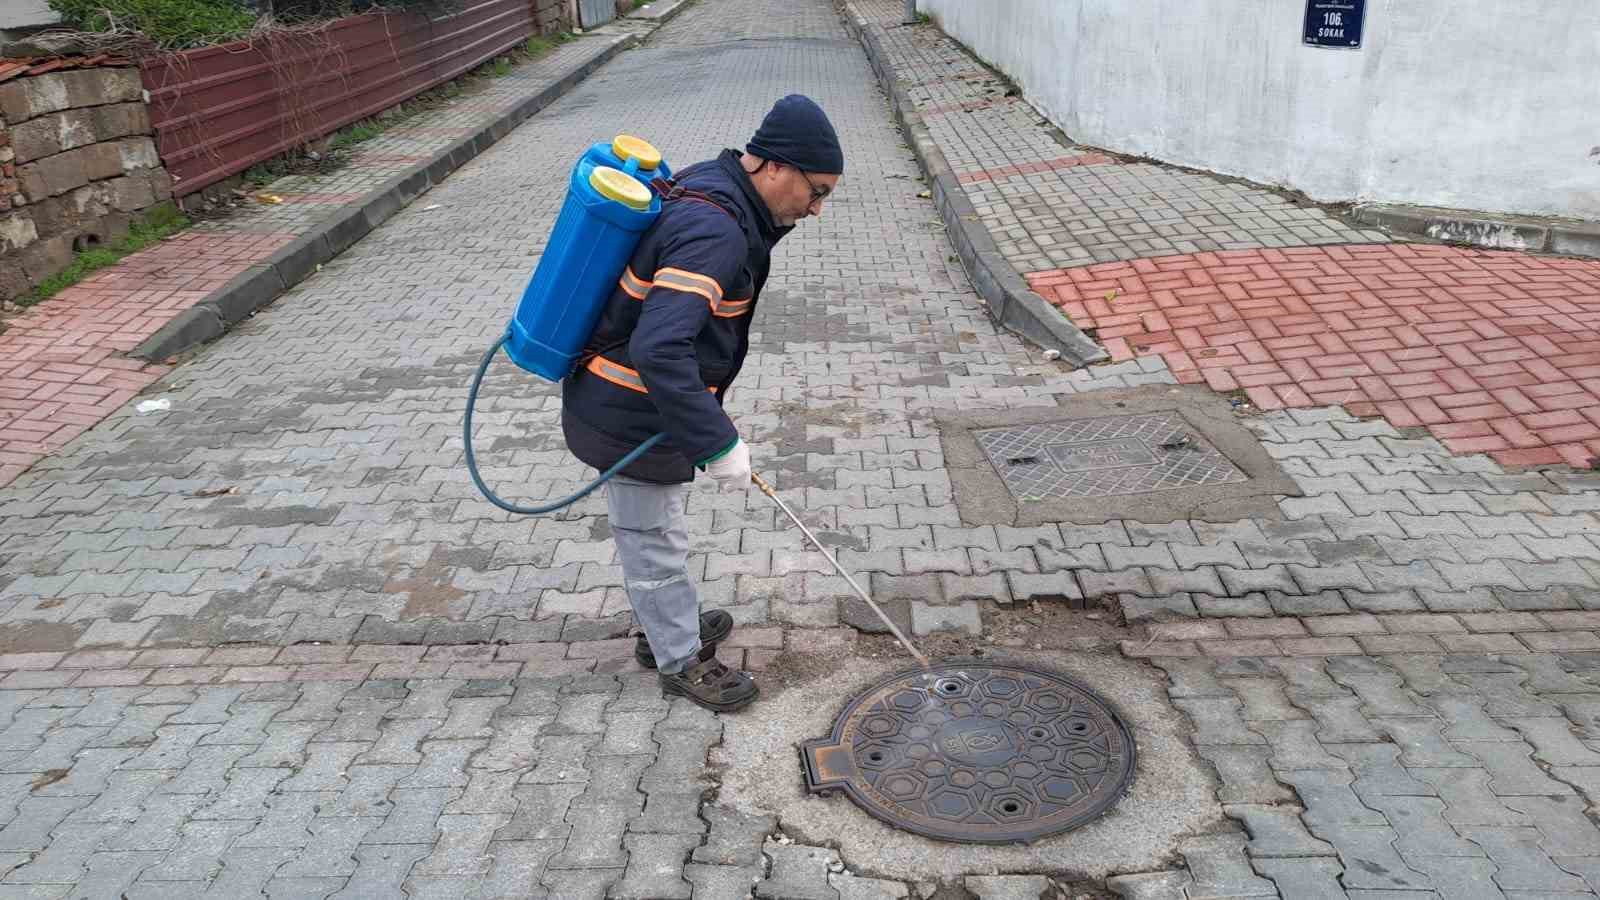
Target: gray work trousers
647,522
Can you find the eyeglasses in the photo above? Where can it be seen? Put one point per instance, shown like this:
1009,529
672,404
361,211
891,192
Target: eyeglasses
818,194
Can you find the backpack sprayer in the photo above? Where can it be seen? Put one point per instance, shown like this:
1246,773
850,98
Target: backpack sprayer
607,209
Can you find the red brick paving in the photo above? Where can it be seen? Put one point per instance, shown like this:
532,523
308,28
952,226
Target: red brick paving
61,363
1494,352
1049,165
251,664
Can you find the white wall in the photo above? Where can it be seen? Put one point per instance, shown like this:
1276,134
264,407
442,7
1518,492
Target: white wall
1475,104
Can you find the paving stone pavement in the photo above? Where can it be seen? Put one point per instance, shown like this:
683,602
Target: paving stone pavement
435,786
272,642
303,488
1433,774
1491,352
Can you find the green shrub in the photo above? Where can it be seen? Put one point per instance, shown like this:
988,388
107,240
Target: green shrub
180,24
540,44
170,23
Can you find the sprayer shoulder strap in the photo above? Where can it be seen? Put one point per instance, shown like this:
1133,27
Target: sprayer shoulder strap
670,192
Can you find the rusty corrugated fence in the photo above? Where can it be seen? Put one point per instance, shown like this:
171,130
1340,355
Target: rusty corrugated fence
219,110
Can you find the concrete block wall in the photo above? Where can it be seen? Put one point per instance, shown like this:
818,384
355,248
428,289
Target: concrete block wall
1474,104
78,165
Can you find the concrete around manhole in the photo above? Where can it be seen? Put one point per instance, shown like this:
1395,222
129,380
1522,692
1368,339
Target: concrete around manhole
1152,454
1172,795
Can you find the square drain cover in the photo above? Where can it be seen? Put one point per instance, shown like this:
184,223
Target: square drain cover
1105,457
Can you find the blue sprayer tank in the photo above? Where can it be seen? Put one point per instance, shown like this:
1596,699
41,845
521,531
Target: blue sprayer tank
609,205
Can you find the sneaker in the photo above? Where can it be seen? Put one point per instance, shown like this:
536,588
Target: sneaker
715,626
709,683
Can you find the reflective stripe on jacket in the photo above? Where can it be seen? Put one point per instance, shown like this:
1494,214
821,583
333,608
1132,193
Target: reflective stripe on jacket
675,331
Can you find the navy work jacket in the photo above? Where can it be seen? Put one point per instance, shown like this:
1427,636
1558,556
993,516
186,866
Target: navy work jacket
676,329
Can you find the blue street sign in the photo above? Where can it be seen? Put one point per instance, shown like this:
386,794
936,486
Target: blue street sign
1334,23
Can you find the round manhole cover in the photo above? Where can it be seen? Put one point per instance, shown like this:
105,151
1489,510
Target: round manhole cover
978,753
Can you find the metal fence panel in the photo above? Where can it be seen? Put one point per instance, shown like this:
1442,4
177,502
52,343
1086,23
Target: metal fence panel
594,13
219,110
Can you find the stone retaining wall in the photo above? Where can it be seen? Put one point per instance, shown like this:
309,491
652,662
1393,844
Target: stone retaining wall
78,165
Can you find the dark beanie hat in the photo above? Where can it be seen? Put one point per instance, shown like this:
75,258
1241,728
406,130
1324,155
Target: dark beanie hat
798,132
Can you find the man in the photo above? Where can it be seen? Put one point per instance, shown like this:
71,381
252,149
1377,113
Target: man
668,345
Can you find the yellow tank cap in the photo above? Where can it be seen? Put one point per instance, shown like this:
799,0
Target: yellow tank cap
627,147
615,184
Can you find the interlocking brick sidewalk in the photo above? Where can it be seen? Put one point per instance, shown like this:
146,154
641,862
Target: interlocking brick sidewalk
1374,635
1492,352
750,648
359,772
63,364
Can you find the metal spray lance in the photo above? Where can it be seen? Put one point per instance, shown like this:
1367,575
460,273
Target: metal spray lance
893,629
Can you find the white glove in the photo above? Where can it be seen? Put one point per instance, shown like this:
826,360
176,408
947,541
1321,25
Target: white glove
732,469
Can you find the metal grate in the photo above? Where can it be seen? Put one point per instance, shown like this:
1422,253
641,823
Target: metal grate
1104,457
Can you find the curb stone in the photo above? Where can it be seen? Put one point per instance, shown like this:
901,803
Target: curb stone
1009,300
259,285
1566,238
